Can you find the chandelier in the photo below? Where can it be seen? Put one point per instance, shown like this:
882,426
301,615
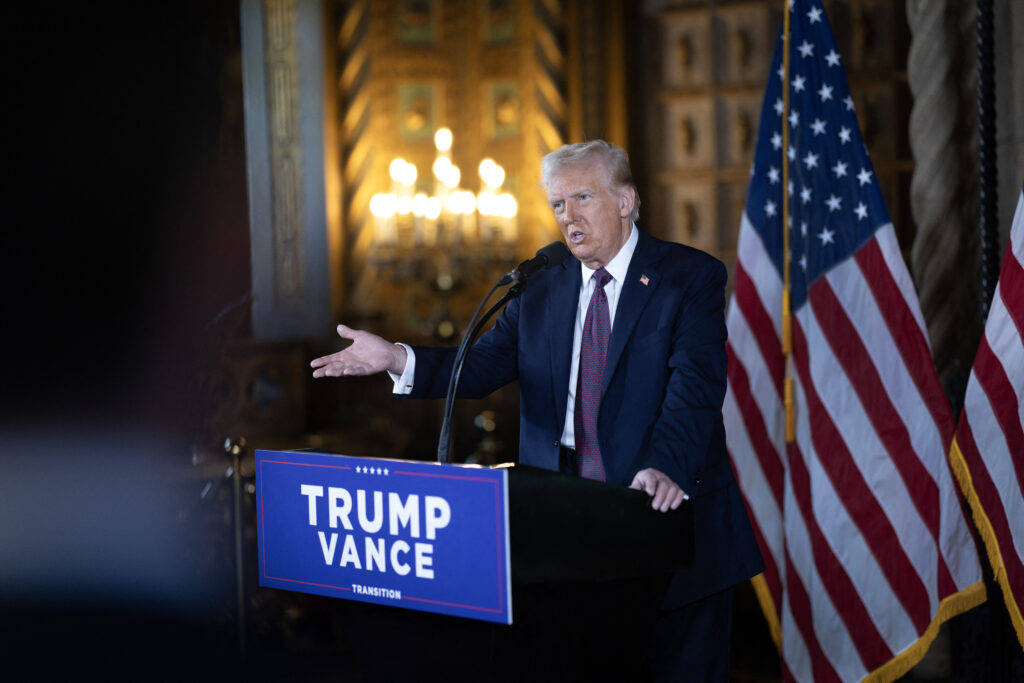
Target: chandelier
434,229
407,220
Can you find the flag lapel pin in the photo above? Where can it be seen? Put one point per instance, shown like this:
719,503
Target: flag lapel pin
644,280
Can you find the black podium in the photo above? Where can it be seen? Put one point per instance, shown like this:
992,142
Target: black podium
565,528
590,563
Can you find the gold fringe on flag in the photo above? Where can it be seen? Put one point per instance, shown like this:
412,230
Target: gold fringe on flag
988,535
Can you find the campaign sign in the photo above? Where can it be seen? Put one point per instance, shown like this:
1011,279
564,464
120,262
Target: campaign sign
418,535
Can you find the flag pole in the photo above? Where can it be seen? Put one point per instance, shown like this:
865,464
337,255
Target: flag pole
787,321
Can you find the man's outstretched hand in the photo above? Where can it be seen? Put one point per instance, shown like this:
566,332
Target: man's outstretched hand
665,494
367,355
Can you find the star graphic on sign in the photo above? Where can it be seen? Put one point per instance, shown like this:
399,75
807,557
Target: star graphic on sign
794,118
779,106
864,177
773,175
806,49
861,211
839,169
359,470
799,83
848,101
814,15
844,134
769,208
825,92
826,236
834,203
818,127
805,195
832,58
811,160
385,471
777,140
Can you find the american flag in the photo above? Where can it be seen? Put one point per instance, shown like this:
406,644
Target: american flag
866,546
988,454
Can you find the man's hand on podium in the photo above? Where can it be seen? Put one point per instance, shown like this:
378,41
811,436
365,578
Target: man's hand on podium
367,355
665,493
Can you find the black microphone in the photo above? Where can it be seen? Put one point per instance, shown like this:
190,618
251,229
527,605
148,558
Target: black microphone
546,257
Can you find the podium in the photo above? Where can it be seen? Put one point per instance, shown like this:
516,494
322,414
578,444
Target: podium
565,528
586,562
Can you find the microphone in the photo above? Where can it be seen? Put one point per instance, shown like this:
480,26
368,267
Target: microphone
546,257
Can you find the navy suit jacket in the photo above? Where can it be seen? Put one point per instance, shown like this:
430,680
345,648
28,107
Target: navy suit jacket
661,403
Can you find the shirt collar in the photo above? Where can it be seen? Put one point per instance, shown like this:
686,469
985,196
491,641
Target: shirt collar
618,266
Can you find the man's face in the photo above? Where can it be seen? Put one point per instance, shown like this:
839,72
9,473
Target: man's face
593,218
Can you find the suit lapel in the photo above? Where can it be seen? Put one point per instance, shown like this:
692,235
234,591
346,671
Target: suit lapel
563,297
642,279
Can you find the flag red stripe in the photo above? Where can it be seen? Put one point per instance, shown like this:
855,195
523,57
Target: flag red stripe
853,356
870,644
990,501
857,497
800,608
787,675
913,346
771,464
991,376
760,325
1011,288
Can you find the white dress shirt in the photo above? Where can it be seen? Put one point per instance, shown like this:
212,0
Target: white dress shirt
617,268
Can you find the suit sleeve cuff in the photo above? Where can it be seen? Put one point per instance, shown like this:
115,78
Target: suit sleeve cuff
403,382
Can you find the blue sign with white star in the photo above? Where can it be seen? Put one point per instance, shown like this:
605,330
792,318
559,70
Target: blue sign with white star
411,534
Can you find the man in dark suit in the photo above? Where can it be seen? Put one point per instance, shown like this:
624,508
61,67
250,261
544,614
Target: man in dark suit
650,418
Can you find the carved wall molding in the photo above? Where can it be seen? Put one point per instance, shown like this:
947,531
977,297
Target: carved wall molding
282,70
357,130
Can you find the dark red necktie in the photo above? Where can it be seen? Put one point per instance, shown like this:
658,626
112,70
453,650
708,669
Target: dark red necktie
593,354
